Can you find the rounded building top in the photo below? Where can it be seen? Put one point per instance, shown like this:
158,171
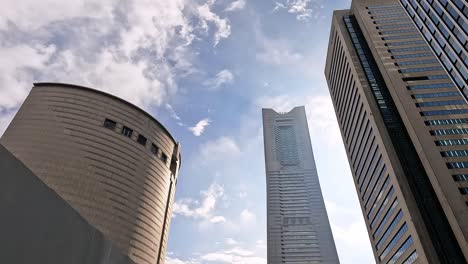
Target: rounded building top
73,86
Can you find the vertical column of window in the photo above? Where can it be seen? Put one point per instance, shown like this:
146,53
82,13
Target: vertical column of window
339,70
357,130
350,121
364,140
344,93
371,164
338,64
350,109
375,172
365,158
332,74
377,185
360,137
352,126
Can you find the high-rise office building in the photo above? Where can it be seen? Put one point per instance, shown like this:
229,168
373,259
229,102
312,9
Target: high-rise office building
405,128
298,230
444,24
112,162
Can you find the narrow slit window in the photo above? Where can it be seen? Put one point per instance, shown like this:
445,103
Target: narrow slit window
127,131
110,124
142,140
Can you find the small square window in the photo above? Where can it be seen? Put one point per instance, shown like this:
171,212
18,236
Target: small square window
154,149
127,131
164,158
110,124
142,140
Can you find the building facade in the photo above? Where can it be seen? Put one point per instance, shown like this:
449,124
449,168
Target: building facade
111,161
298,230
444,25
405,128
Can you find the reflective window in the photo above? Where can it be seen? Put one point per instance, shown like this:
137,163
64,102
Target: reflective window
417,62
444,112
463,190
394,241
389,230
440,122
411,258
401,250
385,219
441,103
450,131
430,86
454,153
457,165
415,55
384,203
424,69
433,95
452,142
460,177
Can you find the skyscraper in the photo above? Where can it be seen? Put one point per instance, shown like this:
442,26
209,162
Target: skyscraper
405,128
444,25
298,230
112,162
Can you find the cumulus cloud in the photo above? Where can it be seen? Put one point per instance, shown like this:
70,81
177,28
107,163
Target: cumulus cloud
236,255
276,51
302,9
199,128
222,25
236,5
201,209
247,217
137,50
223,77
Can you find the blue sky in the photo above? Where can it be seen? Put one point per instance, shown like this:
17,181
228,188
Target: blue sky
204,69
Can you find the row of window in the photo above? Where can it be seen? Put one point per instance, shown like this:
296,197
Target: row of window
449,131
385,219
380,172
430,86
408,242
424,69
441,122
433,95
382,207
383,7
463,190
411,258
452,142
411,55
441,103
394,26
404,43
444,112
408,36
425,78
391,32
391,21
378,16
389,230
460,177
454,153
416,48
377,184
383,11
142,140
394,241
416,62
457,165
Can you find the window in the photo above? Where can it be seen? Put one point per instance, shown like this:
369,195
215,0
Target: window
393,242
454,153
450,131
460,177
432,95
411,55
457,165
424,69
110,124
401,250
430,86
463,190
404,63
389,230
127,131
408,49
412,258
385,219
446,122
441,103
142,140
452,142
164,158
154,149
444,112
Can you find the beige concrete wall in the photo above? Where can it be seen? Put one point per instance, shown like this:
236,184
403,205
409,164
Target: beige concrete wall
115,183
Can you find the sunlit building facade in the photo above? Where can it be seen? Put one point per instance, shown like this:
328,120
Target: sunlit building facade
404,124
298,230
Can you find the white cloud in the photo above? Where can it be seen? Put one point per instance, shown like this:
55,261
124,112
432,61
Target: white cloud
276,51
236,5
247,217
231,241
170,260
199,128
222,25
302,9
172,112
203,209
223,77
236,255
219,149
137,50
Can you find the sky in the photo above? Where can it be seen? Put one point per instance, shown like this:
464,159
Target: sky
204,68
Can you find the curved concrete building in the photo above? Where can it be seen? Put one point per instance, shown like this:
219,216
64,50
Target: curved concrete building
111,161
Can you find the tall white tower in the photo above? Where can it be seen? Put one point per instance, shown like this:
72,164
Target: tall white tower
298,230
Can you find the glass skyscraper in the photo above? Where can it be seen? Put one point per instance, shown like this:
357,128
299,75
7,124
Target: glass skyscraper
444,25
405,128
298,230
